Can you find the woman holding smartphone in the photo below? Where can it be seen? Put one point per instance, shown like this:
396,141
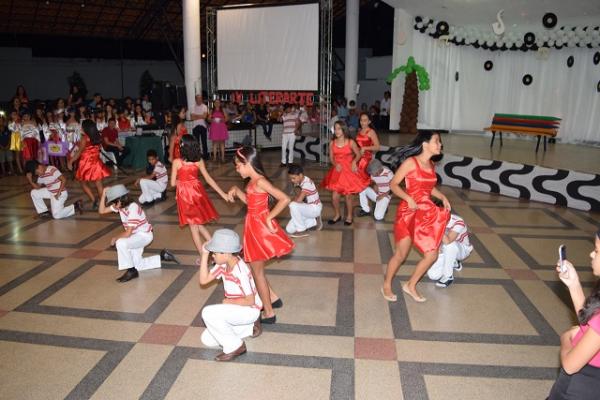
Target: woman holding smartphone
579,376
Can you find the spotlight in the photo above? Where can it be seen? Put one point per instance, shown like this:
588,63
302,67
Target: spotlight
82,4
203,55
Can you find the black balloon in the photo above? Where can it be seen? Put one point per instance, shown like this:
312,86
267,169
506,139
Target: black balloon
570,61
418,19
529,38
456,76
597,58
598,87
549,20
488,65
527,79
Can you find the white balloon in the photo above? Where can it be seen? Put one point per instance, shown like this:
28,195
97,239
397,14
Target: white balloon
519,43
580,31
559,42
419,25
552,35
489,43
452,29
545,38
509,44
551,42
570,34
587,40
595,33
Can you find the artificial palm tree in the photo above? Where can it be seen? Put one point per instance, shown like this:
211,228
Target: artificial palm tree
417,79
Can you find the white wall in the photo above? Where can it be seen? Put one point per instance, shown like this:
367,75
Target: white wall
374,85
46,78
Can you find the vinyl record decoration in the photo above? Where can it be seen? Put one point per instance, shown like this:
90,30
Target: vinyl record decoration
549,20
456,76
598,87
529,38
597,58
442,28
570,61
527,79
488,65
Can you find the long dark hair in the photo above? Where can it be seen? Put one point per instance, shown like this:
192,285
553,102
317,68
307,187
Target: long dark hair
344,128
190,149
592,303
249,155
415,148
90,129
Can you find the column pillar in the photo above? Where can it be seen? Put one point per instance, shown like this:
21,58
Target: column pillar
351,71
192,50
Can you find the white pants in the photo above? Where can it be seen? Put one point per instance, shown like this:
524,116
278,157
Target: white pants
227,325
381,205
303,215
151,190
443,268
130,250
287,143
56,206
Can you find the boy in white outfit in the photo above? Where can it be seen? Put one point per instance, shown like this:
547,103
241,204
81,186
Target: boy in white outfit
154,185
454,249
137,232
50,184
305,209
378,193
237,317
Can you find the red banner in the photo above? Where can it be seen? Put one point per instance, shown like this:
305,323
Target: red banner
271,97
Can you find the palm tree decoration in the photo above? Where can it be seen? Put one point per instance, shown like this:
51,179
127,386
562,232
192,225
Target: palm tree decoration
417,79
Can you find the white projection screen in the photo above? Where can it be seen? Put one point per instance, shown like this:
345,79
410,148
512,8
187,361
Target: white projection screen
268,48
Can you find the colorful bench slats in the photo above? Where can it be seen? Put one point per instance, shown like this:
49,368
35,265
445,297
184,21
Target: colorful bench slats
535,125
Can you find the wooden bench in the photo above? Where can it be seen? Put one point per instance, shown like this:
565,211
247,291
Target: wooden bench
533,125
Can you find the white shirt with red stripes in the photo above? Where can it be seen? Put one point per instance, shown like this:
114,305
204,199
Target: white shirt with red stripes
457,224
382,181
237,283
30,131
289,122
312,194
133,217
160,172
50,179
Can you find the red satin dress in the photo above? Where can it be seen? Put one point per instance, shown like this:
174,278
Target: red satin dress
90,167
364,140
193,205
345,181
259,243
426,225
177,143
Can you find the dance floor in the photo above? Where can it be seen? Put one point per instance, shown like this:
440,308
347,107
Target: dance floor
68,330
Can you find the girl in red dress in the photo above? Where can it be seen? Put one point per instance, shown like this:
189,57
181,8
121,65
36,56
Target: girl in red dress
178,131
368,141
418,220
193,205
263,237
90,167
343,179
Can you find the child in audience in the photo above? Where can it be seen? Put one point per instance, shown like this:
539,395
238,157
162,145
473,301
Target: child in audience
454,249
6,155
193,205
379,193
50,184
305,209
154,185
137,235
14,127
290,122
263,237
30,137
237,317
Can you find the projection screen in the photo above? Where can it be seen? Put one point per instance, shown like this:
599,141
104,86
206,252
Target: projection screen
268,48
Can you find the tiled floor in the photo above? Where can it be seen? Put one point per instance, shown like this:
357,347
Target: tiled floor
68,330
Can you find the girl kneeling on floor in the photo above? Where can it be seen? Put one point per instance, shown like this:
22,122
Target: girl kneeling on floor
237,317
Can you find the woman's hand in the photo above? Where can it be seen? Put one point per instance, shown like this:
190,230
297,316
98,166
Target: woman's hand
270,226
569,277
411,203
446,204
232,193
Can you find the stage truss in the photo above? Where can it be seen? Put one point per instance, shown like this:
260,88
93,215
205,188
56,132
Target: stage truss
323,97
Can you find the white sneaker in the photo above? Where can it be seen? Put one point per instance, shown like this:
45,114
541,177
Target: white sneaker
299,234
457,265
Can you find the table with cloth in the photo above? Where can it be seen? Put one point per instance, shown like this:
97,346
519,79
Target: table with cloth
138,146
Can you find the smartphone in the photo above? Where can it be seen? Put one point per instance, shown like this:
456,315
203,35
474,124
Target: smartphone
562,256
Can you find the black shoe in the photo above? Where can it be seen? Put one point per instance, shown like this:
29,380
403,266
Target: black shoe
270,320
45,214
147,204
363,213
163,196
347,223
166,255
277,303
130,274
78,205
334,221
95,205
282,165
